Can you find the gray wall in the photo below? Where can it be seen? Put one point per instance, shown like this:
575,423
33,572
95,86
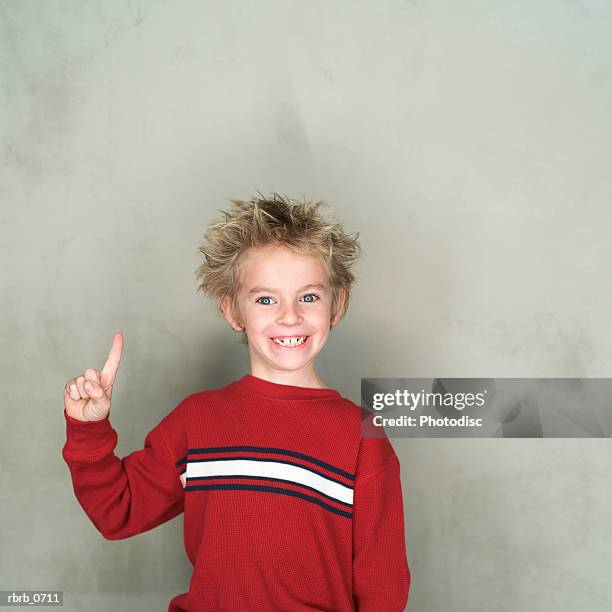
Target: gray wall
468,142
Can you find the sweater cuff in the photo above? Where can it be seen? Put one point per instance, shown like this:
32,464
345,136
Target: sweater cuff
88,440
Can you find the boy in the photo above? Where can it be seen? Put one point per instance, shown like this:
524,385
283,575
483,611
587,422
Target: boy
287,506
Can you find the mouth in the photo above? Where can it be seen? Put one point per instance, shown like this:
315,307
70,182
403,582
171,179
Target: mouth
290,342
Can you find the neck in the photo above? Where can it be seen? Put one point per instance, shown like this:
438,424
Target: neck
253,385
299,378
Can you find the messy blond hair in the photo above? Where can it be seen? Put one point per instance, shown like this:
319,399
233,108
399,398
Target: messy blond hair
278,220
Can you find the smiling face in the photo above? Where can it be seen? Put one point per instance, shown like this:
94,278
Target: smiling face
285,304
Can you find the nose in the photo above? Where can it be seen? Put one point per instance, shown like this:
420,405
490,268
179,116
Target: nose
289,314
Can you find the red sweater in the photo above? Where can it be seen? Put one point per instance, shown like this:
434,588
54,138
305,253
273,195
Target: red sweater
287,506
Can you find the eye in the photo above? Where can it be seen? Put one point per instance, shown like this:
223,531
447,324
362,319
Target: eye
264,297
311,295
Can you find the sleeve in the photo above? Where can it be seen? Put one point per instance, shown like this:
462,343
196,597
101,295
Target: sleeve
124,497
381,577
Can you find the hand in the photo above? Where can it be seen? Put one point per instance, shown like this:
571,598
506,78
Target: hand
88,397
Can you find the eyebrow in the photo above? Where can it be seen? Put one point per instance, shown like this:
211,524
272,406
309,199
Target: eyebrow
270,290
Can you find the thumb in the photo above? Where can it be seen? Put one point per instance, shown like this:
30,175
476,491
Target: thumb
94,390
98,405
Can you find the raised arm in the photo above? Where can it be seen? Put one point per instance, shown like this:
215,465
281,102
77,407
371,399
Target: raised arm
122,497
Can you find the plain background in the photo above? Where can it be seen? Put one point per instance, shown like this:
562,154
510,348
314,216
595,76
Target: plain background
468,142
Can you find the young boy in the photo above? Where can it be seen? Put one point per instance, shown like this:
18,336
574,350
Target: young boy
287,506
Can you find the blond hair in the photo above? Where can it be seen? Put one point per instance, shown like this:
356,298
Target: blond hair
279,220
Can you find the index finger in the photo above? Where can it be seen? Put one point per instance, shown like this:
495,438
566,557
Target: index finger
109,371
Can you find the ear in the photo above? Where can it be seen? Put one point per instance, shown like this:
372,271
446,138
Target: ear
340,305
225,305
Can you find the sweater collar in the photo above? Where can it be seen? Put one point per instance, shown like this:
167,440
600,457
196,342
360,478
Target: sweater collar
252,384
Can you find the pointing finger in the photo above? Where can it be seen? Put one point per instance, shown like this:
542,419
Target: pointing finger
107,377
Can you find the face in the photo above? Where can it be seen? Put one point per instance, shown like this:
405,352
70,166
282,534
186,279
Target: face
285,308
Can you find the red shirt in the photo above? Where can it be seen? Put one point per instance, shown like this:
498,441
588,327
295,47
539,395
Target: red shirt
286,505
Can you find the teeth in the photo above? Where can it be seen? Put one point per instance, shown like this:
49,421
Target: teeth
290,341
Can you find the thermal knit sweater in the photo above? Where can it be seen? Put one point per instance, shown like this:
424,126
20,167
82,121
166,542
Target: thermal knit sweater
287,504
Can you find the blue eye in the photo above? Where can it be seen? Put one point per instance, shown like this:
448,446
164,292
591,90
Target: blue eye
309,298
